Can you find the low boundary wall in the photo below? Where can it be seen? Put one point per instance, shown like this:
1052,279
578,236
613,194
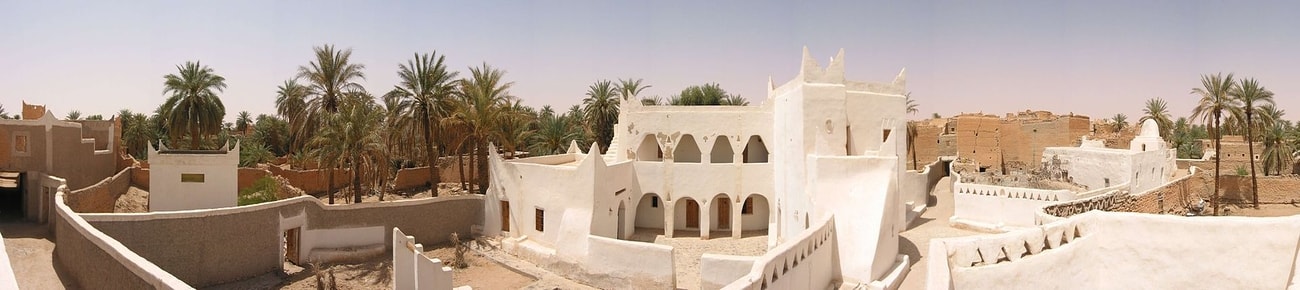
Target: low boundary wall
197,246
809,261
91,257
101,197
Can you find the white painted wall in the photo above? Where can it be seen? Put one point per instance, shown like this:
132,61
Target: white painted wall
219,188
1128,251
648,215
412,270
761,216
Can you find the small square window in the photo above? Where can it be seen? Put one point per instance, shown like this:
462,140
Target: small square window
748,207
654,201
192,177
21,144
540,219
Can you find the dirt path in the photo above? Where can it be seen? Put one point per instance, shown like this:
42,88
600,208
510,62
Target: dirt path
31,254
933,224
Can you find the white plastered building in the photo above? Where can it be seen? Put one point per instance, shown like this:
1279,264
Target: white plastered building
817,146
193,179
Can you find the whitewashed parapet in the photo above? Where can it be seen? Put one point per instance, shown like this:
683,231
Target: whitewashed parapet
805,262
412,270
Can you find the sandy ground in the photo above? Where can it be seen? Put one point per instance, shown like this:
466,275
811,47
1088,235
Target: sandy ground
688,247
344,196
1265,210
134,200
933,224
31,254
376,273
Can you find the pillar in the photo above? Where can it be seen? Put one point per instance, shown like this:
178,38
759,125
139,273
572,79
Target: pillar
735,217
706,218
669,208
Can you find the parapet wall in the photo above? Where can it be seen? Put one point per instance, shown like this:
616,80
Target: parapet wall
196,247
993,206
1169,198
101,197
91,257
1112,250
1272,189
809,261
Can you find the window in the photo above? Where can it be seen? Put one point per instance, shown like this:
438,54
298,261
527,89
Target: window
21,145
539,219
654,201
192,177
748,207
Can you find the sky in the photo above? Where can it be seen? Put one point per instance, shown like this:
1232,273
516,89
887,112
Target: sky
1097,58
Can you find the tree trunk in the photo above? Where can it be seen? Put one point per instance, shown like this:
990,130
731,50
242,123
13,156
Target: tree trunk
460,166
1218,155
356,182
329,184
482,170
1250,146
194,137
434,178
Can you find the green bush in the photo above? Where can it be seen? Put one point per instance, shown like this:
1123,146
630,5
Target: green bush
263,190
1241,170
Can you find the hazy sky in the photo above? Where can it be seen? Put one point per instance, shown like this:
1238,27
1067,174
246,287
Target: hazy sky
1090,57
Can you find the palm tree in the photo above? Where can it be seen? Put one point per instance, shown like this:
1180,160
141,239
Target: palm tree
1214,103
73,115
136,132
911,130
243,121
1156,109
1121,121
1277,151
629,88
95,117
422,99
194,106
601,109
330,76
911,104
482,95
354,137
553,134
290,103
1250,94
710,94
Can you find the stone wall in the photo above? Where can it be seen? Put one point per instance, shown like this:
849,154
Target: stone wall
140,177
1272,189
248,175
196,247
312,181
1017,140
102,196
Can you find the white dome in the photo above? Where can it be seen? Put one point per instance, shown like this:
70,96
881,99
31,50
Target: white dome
1150,129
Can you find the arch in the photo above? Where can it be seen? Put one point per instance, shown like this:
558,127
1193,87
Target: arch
720,212
721,152
687,150
755,150
649,212
649,149
755,213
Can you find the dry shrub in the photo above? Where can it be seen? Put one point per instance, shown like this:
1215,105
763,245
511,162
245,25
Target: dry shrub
458,259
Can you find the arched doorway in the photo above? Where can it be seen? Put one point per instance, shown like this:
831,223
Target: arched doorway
650,212
755,213
755,150
721,152
720,215
622,211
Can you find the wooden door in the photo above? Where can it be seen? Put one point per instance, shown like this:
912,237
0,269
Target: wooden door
692,214
724,213
291,245
505,216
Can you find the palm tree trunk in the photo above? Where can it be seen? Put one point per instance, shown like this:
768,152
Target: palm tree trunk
434,177
1218,155
329,183
194,137
460,166
482,170
1250,146
356,182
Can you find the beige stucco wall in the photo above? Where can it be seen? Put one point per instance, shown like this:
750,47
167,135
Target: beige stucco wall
100,197
219,187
